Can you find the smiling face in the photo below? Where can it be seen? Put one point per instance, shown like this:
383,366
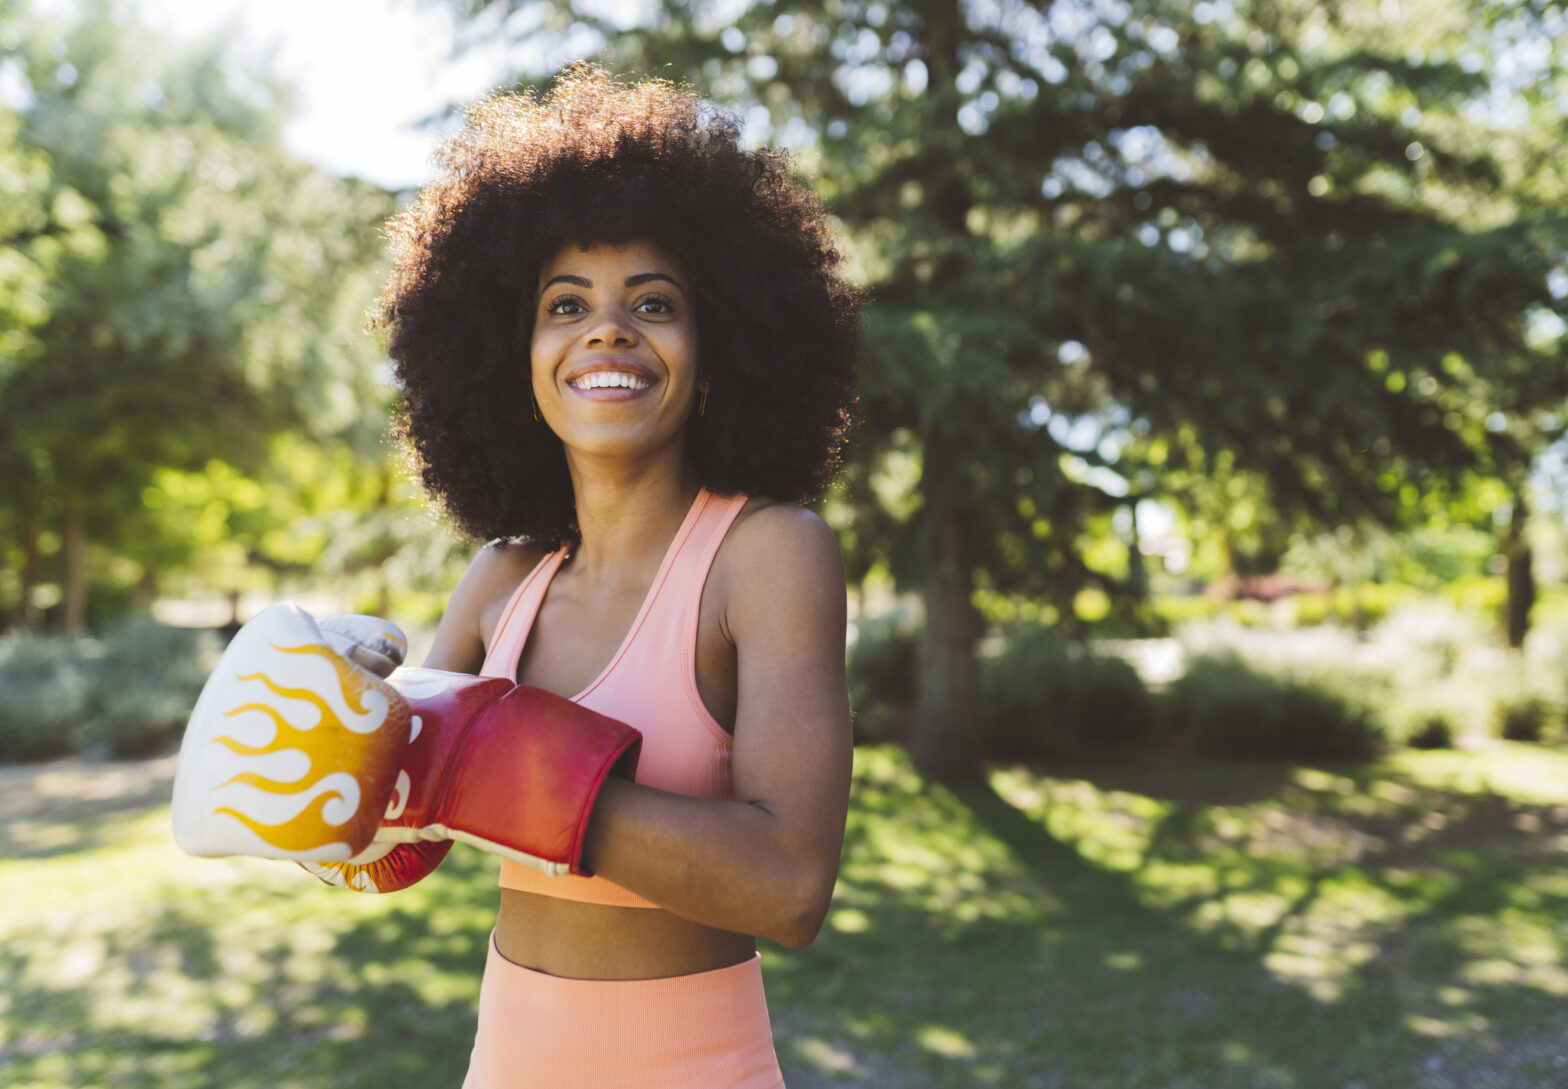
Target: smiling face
614,349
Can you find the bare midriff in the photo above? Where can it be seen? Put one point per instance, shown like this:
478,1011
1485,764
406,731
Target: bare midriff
595,941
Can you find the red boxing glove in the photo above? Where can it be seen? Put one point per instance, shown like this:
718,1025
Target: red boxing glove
380,647
510,769
384,867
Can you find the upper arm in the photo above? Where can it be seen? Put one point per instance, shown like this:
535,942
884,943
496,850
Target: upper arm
786,613
460,638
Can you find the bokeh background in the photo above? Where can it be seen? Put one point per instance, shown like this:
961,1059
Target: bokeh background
1205,521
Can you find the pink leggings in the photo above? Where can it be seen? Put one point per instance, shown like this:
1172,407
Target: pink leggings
704,1031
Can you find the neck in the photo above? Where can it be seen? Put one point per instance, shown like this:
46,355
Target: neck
628,513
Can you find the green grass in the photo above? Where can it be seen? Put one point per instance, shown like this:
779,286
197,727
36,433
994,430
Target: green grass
1142,924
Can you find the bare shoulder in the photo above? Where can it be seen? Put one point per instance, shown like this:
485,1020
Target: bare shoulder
495,570
492,577
475,605
502,562
771,536
779,559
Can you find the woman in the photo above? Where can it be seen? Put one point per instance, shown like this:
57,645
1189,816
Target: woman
625,354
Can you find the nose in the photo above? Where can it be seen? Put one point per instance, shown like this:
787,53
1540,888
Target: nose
610,332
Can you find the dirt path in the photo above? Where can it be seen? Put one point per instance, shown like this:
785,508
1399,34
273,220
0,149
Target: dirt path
75,793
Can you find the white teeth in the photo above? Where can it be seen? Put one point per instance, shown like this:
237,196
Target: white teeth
610,380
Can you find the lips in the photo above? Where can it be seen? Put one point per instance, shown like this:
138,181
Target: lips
610,378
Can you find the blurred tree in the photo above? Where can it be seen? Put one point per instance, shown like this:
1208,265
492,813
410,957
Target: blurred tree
27,257
203,289
1307,237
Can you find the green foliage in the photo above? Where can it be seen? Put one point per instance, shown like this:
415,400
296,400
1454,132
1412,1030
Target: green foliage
25,258
1360,605
882,667
1179,609
1126,926
1263,257
1327,656
1426,557
1430,639
1278,260
1425,675
49,694
146,677
1436,731
1546,656
1479,595
128,694
1044,696
1426,661
1523,718
1528,695
184,291
1223,708
1420,710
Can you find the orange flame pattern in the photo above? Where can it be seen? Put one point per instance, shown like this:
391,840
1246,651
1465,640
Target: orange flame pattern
370,756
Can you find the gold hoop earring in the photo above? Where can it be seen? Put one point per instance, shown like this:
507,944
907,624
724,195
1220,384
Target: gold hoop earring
702,400
535,402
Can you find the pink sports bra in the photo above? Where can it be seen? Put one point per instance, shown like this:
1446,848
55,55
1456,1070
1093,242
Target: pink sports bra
650,683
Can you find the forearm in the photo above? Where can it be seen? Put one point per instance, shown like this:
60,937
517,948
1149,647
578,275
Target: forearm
732,865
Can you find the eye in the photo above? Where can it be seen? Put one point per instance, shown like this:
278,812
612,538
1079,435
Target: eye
654,304
566,305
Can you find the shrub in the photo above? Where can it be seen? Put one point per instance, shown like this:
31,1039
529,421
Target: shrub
47,697
1434,732
126,695
1043,696
882,663
1483,595
1546,651
1429,638
1433,715
1523,718
1527,699
147,678
1224,708
1327,658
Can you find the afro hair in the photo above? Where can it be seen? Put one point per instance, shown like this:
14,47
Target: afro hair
600,161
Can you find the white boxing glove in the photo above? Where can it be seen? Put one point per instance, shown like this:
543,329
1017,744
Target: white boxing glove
293,749
378,645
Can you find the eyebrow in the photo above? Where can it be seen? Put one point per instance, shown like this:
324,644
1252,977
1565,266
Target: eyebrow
646,277
631,281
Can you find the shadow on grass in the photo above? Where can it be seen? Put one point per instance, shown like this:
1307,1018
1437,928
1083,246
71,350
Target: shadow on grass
69,806
369,998
1088,985
1147,772
972,942
1091,989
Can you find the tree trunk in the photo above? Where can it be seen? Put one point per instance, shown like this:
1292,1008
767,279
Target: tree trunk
147,590
946,705
945,745
1520,575
75,548
1137,573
